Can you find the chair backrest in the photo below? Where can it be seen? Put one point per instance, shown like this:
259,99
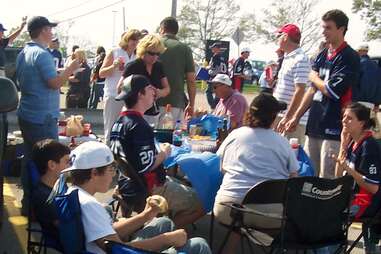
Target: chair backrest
8,95
271,191
70,225
316,211
120,248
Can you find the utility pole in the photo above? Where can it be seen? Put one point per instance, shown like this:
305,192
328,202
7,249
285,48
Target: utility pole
174,8
113,28
124,19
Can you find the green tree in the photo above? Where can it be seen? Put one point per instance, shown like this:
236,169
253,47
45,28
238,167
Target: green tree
21,40
202,20
370,11
282,12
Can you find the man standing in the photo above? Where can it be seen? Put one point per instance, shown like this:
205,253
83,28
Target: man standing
216,65
39,85
53,49
178,65
5,41
292,79
334,73
238,70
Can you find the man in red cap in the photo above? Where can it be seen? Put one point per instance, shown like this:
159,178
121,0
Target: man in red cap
292,79
334,72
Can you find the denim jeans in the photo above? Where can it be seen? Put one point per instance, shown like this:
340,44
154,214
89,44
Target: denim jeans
212,100
95,94
32,133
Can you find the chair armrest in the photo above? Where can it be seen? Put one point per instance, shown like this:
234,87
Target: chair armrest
244,209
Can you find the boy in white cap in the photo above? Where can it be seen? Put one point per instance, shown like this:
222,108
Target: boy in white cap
92,171
232,103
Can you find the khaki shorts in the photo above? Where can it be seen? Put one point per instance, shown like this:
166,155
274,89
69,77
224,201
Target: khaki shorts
180,197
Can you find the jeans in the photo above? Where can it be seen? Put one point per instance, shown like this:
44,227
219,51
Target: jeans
162,225
32,133
212,100
95,94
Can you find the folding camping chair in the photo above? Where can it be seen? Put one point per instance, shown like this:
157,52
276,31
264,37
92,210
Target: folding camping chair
137,203
315,215
45,239
267,192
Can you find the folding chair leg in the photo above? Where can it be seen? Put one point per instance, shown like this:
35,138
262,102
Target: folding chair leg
211,230
227,237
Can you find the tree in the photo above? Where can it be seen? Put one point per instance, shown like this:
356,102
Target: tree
203,20
282,12
370,11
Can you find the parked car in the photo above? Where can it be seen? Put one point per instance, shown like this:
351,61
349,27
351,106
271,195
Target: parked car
258,67
10,62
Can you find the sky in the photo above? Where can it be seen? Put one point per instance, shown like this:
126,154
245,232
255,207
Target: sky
102,20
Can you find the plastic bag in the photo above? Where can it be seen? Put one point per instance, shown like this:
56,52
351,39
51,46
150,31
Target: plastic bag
74,126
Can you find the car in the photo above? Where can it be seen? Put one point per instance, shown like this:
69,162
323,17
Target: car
11,54
258,67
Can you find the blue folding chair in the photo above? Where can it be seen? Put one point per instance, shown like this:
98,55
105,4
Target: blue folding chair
120,248
45,239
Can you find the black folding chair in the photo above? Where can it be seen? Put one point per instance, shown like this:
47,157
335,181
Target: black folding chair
315,215
267,192
136,203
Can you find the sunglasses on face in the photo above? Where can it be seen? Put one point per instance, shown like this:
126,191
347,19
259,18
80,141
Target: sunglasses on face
151,53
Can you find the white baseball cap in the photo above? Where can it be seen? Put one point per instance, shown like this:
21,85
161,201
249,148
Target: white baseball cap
363,46
222,78
245,50
91,154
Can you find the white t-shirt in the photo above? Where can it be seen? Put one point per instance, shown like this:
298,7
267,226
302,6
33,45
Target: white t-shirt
97,223
252,155
110,89
295,70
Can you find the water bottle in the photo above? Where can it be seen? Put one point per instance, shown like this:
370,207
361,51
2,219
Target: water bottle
177,137
166,122
294,142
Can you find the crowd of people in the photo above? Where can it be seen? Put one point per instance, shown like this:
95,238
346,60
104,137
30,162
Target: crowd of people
314,100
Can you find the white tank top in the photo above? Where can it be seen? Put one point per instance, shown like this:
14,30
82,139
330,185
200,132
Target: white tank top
111,81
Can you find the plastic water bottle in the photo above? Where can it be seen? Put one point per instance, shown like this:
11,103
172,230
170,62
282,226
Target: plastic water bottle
294,142
166,122
177,136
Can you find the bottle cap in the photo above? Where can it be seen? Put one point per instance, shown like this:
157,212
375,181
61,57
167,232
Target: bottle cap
294,142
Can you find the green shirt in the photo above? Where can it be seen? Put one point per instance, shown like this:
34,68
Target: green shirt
177,61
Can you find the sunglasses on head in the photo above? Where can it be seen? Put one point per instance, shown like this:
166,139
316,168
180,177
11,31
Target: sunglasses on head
151,53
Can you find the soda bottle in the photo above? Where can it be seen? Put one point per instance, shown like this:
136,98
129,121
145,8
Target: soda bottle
166,122
177,136
294,142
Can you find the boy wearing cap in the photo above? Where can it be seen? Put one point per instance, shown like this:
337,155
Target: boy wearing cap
292,79
92,171
39,107
238,68
232,103
50,157
5,41
334,72
133,139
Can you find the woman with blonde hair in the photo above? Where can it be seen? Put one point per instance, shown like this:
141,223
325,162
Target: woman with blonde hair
112,69
147,64
79,83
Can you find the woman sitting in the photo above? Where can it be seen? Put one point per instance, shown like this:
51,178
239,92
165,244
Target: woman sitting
252,154
360,157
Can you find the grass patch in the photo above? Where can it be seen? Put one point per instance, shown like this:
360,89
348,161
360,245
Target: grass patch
247,89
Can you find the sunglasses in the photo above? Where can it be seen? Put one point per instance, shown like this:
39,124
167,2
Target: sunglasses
151,53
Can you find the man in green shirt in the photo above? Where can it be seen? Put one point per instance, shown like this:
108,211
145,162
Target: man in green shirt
178,66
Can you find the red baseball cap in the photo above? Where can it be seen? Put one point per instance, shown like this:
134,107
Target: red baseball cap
291,30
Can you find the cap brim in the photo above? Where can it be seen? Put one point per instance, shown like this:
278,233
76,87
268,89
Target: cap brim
52,24
121,96
67,170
